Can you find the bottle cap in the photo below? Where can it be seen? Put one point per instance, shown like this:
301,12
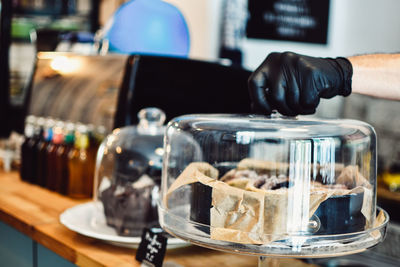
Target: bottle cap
58,138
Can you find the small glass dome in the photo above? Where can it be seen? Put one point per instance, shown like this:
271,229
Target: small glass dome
128,174
273,185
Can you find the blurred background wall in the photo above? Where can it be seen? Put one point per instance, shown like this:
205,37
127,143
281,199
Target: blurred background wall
354,27
219,31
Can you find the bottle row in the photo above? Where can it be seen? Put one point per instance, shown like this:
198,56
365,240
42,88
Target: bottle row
60,155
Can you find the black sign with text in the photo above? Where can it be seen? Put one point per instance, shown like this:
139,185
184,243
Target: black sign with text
291,20
152,247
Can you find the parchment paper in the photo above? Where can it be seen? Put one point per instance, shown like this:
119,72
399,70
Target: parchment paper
258,216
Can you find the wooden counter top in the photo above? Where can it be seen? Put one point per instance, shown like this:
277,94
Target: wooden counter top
34,211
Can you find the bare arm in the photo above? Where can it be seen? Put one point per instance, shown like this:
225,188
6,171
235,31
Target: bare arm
376,75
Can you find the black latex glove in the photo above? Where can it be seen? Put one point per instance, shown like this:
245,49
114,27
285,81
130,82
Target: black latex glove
293,84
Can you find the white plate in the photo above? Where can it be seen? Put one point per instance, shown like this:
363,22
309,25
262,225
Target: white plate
88,219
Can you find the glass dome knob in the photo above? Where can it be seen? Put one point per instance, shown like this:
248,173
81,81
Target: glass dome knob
150,119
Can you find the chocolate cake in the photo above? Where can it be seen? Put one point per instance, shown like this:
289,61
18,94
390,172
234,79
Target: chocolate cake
130,207
130,200
338,214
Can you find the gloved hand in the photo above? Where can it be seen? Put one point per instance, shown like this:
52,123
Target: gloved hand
293,84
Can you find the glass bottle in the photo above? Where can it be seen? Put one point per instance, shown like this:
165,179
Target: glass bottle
100,134
92,148
38,143
55,143
96,136
62,168
27,148
41,149
80,183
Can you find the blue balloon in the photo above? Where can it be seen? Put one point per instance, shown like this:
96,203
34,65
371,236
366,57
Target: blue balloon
149,27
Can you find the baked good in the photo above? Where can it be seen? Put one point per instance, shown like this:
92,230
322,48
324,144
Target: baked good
130,207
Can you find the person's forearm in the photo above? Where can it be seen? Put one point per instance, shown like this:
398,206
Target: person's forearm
376,75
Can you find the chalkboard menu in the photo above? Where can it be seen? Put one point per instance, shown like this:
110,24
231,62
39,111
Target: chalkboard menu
292,20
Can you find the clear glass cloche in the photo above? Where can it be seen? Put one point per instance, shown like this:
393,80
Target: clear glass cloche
128,174
271,185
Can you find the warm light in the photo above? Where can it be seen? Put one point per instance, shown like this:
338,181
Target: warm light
110,140
65,65
168,149
159,151
47,55
116,131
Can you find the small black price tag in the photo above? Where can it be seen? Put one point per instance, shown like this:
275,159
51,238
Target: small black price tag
152,247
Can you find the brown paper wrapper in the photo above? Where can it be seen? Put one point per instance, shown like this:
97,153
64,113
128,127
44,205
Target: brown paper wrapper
252,216
380,219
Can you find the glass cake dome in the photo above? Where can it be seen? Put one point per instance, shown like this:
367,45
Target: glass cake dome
128,174
271,185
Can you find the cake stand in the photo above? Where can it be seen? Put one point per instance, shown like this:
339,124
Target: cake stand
271,186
